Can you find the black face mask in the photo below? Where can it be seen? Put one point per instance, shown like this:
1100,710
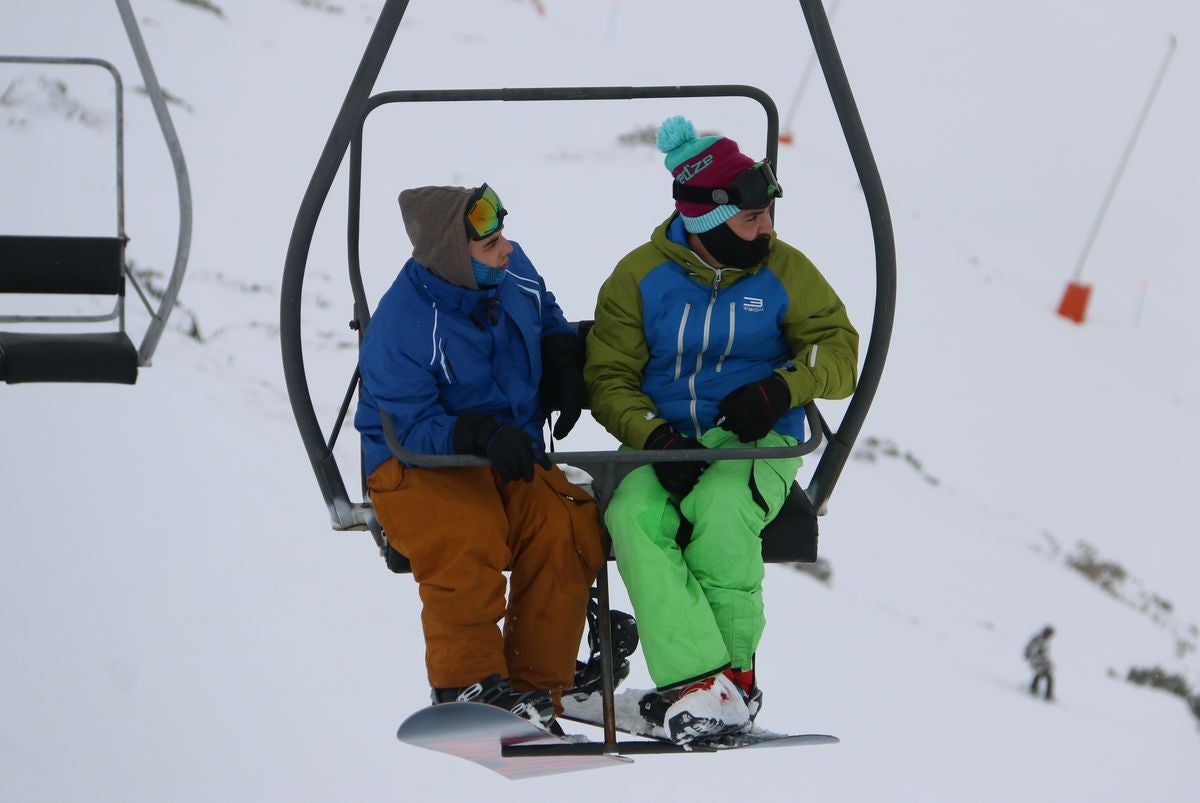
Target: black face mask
732,251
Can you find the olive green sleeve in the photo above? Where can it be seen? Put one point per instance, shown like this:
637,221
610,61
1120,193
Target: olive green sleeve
616,359
823,342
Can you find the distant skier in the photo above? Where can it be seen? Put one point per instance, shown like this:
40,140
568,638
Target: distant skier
1037,653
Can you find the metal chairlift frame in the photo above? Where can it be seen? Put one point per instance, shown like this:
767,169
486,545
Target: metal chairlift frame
346,134
159,315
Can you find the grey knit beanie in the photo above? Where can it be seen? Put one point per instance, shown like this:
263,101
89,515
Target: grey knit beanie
433,217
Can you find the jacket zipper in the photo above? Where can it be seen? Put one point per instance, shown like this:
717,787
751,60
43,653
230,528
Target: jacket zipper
712,300
679,341
729,342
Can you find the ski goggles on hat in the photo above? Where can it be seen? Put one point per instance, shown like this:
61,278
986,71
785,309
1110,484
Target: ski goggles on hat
752,189
485,214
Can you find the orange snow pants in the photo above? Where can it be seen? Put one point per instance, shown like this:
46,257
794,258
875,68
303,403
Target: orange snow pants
460,528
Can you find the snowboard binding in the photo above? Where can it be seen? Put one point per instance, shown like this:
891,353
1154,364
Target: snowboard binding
588,674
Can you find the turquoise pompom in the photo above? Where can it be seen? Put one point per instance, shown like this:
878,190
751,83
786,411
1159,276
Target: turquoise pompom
675,131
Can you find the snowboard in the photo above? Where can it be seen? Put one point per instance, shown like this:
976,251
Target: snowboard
589,710
495,739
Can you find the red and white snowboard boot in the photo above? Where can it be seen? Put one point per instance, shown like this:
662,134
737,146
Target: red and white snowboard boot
704,709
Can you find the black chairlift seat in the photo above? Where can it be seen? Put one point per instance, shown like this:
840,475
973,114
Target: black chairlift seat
83,265
54,357
71,266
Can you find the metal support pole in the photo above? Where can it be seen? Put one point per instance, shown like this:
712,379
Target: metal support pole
607,682
183,185
786,135
1112,187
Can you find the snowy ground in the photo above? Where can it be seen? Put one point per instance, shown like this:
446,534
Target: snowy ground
178,621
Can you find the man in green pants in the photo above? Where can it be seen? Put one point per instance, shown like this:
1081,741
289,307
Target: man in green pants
714,334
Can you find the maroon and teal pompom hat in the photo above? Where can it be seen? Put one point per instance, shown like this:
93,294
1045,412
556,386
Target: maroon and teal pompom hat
710,162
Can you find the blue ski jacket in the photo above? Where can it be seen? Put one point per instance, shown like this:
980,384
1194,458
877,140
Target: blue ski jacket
434,350
673,336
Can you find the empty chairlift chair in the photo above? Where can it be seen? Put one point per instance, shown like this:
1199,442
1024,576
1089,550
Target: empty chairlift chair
41,266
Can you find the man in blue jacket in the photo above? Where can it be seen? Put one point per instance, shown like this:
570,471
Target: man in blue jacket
467,352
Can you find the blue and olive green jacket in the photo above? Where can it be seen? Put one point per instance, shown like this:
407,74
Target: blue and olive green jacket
434,350
673,336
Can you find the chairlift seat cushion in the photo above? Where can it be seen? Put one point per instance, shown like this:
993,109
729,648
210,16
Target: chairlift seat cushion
84,357
791,537
62,265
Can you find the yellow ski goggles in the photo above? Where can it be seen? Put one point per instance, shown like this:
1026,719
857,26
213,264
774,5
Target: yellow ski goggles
485,214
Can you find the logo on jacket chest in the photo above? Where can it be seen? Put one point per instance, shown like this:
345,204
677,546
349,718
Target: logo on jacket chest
752,304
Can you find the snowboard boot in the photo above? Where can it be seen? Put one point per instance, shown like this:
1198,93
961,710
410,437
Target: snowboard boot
751,694
535,706
705,709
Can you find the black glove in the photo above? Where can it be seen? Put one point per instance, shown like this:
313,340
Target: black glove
752,410
678,478
512,450
562,379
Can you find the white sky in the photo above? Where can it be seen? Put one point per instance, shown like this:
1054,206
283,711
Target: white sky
180,623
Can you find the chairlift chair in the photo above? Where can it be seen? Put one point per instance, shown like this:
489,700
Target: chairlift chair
792,536
90,266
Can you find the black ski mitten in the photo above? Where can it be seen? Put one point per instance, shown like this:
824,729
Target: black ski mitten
752,410
511,449
562,385
677,477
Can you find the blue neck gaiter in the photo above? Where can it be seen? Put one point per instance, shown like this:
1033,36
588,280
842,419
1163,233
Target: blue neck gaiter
486,275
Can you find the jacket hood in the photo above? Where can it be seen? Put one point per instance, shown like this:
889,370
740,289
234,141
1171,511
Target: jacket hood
433,218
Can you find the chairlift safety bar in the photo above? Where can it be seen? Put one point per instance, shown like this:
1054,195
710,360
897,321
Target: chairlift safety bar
590,461
119,112
118,311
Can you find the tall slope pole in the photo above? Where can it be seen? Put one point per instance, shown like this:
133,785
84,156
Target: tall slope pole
1075,298
787,136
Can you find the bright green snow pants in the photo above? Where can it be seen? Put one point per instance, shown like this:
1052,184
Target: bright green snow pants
700,608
